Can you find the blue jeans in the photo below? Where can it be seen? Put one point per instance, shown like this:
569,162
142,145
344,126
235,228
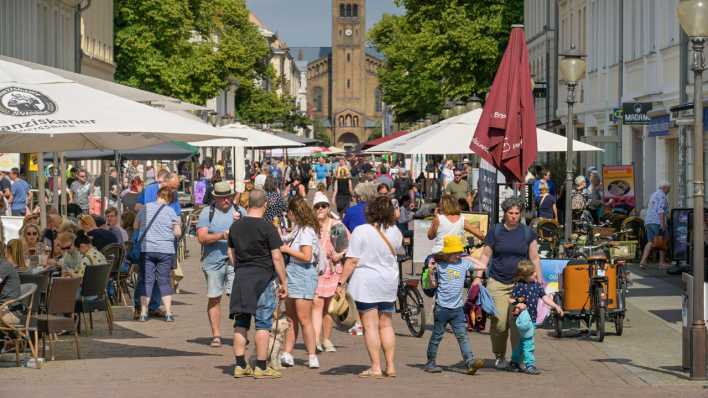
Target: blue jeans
456,318
155,297
524,351
267,302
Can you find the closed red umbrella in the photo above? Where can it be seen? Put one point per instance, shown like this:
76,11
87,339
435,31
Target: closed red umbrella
506,133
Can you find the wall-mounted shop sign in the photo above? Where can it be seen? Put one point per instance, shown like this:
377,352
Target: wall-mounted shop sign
636,112
659,126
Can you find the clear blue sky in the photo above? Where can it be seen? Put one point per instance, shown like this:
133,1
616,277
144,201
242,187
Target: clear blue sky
303,23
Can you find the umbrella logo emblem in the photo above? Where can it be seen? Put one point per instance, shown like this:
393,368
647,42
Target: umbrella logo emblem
17,101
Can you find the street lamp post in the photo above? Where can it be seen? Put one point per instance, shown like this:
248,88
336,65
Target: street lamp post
572,69
693,16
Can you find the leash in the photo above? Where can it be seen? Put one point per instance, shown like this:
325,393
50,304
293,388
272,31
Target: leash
276,318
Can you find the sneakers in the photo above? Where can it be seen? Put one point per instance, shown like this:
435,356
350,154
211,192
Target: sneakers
242,372
513,367
169,318
319,347
142,318
328,346
268,373
286,359
500,364
431,367
532,370
313,362
357,329
474,365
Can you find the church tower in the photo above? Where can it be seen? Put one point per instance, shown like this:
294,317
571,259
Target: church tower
349,89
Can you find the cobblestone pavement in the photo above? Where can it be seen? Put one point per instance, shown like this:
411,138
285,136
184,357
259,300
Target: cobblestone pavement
161,359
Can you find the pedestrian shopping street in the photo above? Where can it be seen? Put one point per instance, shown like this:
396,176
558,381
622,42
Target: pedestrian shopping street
157,359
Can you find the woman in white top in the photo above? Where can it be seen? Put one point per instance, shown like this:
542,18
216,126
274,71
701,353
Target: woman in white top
373,267
302,279
449,221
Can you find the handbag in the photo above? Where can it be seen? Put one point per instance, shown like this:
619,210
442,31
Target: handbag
135,250
385,239
660,243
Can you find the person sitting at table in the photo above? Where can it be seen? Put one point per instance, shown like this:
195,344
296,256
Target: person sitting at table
14,253
93,226
54,222
64,252
9,290
30,240
89,256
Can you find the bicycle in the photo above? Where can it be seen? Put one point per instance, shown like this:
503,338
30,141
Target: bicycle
410,302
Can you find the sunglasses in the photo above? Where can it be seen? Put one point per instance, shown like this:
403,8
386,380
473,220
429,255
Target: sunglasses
458,175
321,206
31,233
65,247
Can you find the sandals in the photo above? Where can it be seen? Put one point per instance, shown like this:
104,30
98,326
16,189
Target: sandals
390,374
368,373
216,342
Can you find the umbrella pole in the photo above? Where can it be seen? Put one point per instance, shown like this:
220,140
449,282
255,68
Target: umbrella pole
62,171
119,170
55,182
41,200
104,185
233,163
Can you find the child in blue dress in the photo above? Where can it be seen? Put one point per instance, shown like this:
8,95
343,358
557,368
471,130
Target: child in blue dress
525,296
449,269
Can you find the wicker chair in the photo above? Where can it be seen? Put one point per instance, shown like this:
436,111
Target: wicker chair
21,331
115,255
60,315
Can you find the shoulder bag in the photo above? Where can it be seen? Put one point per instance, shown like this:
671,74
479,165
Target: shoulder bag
134,255
385,239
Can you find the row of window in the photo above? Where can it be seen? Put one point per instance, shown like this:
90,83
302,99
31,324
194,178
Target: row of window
348,121
348,10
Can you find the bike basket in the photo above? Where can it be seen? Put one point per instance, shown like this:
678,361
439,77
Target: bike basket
624,250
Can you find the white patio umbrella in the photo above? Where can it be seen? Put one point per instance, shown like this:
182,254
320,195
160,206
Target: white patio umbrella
452,136
43,112
254,139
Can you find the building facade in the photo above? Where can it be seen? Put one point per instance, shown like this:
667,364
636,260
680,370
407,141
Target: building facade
343,94
633,50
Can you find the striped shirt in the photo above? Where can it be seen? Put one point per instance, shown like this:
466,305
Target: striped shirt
160,238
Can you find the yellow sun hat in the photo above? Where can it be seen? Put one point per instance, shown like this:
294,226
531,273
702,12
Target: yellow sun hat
452,244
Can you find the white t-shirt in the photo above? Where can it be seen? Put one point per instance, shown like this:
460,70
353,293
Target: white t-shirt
305,237
449,175
259,181
447,228
375,279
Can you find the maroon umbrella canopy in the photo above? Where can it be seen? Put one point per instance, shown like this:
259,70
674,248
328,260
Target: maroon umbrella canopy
506,133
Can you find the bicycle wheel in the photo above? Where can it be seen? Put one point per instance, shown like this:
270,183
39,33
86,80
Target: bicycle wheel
619,325
413,311
600,315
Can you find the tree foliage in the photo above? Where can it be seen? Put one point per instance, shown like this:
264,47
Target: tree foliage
256,105
189,49
441,49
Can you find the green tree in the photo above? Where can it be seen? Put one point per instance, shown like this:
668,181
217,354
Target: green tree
441,49
257,105
189,49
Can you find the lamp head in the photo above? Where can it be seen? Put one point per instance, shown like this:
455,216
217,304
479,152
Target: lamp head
693,17
572,65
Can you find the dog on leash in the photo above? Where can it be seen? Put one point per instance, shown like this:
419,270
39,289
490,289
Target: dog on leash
277,340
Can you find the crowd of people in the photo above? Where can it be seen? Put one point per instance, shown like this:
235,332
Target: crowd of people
305,233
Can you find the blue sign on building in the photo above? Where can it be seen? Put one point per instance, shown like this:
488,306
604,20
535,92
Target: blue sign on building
659,126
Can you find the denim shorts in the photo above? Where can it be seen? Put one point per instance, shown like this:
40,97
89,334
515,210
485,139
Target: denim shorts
381,306
302,281
653,230
219,281
264,311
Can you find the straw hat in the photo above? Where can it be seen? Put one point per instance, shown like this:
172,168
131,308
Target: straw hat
452,244
222,189
343,310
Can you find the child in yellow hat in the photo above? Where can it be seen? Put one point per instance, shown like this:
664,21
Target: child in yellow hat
450,269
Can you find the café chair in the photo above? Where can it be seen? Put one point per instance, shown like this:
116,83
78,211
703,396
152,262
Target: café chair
20,332
94,295
60,315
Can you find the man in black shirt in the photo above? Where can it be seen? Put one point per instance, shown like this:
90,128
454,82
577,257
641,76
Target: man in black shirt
100,236
254,249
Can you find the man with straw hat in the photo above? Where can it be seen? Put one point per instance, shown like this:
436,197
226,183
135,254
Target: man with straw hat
212,233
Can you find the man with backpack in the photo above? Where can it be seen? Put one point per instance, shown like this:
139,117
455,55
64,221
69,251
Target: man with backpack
213,232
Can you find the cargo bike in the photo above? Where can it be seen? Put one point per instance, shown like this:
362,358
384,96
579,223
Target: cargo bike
594,285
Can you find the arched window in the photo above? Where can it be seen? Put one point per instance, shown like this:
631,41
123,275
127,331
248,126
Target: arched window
348,120
349,83
340,123
349,57
378,100
349,10
318,99
341,10
355,11
355,121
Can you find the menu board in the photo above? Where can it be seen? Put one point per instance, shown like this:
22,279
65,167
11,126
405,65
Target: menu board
681,233
486,189
618,185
